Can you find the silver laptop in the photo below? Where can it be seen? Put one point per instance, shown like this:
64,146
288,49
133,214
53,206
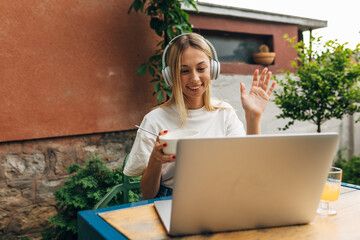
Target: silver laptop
258,181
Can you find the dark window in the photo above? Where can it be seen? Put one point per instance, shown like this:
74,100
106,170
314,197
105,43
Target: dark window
236,47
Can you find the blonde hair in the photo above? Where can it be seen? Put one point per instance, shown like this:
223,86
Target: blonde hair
174,62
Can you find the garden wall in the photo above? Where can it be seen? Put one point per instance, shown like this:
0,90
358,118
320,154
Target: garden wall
31,171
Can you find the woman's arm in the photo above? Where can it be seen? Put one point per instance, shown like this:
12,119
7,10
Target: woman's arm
150,181
255,102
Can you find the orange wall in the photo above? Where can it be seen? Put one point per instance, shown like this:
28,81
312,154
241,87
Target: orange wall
69,67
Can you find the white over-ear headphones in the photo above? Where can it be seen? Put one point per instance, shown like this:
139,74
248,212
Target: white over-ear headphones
214,64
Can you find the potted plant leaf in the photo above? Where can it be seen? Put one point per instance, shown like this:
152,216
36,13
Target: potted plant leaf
264,56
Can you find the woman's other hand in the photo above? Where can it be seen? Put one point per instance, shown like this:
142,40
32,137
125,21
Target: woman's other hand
256,101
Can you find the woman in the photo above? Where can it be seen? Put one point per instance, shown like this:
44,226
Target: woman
192,64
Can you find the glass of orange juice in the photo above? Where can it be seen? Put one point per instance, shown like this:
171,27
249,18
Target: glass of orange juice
331,192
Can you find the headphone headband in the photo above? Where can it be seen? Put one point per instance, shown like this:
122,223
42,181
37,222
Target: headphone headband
215,65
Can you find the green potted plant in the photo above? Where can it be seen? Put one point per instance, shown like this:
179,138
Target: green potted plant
264,56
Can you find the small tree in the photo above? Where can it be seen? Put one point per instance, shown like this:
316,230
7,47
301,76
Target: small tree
168,20
324,86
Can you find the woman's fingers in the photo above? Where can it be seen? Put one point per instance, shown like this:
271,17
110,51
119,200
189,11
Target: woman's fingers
163,132
255,78
169,158
262,77
272,87
260,82
160,156
160,146
264,80
165,157
242,89
267,80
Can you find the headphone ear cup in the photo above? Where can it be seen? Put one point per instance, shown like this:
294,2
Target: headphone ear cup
215,69
167,76
212,69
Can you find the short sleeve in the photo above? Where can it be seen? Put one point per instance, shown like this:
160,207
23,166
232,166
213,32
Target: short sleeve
140,152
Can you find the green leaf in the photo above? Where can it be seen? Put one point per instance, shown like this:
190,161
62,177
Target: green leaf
137,5
157,87
160,97
151,71
130,8
142,69
168,92
170,33
155,58
156,24
73,168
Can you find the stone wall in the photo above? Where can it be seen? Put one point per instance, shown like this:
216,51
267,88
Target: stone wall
31,171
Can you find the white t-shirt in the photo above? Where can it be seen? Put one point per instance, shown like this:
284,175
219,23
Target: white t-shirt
218,123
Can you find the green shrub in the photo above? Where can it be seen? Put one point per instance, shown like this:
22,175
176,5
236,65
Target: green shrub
80,192
351,169
324,86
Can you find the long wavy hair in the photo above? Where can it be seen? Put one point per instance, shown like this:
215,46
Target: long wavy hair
173,60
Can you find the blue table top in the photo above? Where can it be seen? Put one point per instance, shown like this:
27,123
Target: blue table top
92,226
